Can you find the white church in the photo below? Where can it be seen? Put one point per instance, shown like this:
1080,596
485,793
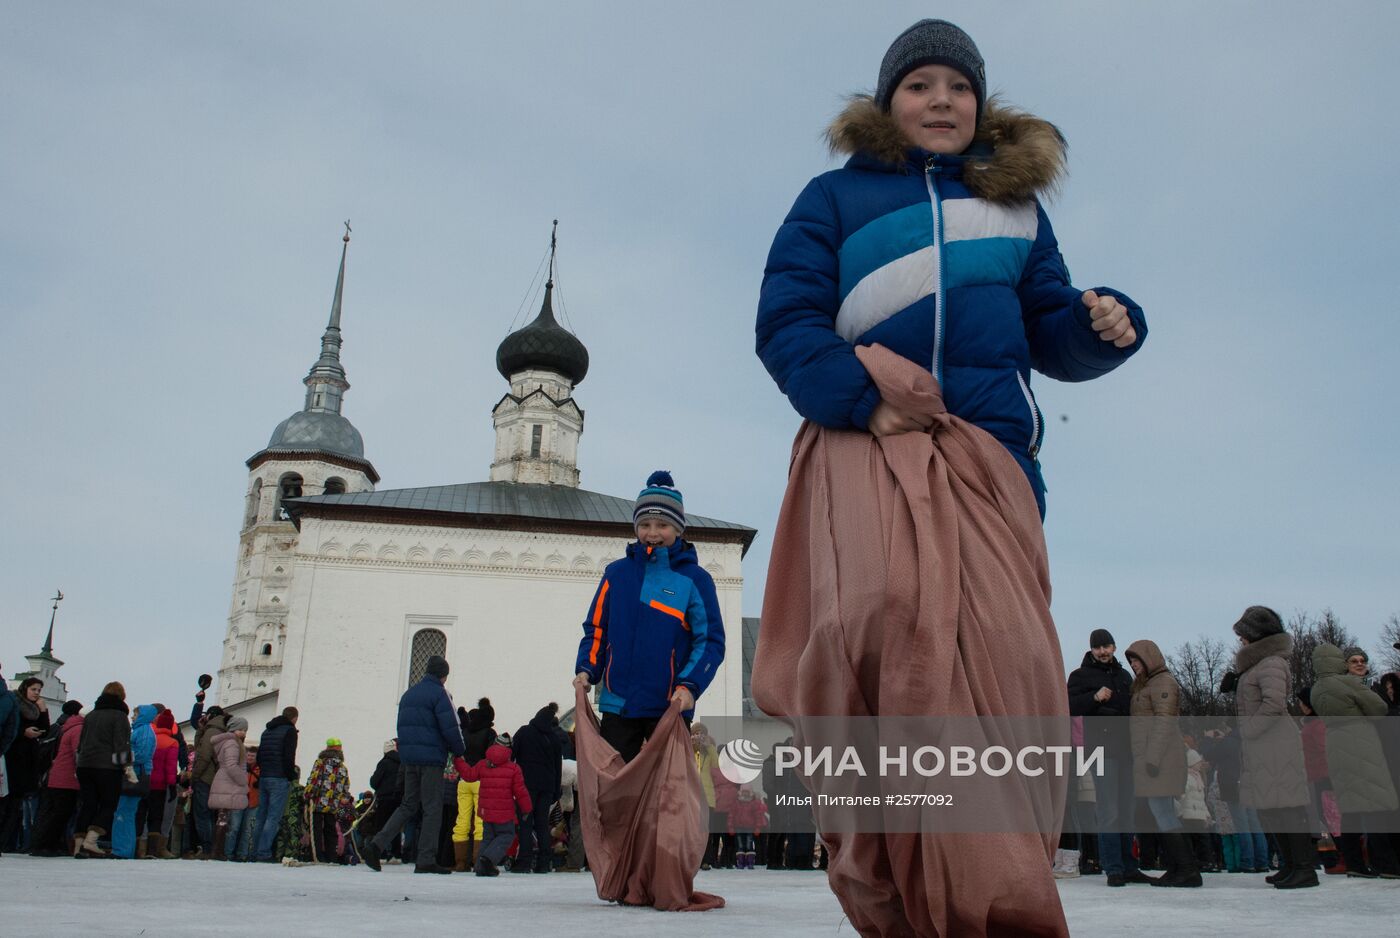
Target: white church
341,591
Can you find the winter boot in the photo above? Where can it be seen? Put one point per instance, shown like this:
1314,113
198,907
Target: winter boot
77,846
484,866
543,864
164,852
220,834
521,864
90,847
1299,851
369,852
1181,862
141,847
460,854
432,868
1066,865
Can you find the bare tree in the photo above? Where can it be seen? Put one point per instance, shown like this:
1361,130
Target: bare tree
1308,632
1198,667
1390,634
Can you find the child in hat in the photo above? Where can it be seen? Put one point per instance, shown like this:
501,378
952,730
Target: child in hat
653,632
907,297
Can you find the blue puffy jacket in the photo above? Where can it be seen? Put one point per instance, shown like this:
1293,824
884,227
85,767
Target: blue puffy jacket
428,728
654,625
949,261
143,738
9,716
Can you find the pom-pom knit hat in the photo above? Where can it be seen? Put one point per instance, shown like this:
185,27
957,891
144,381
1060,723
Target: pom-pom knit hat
660,499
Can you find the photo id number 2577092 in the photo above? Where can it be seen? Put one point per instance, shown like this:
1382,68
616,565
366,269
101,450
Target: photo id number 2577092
939,801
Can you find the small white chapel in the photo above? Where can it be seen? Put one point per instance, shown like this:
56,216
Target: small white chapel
342,591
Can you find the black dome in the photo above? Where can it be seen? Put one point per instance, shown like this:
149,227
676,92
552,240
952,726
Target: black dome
545,345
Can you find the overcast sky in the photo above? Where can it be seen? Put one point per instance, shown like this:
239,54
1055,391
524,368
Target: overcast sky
173,179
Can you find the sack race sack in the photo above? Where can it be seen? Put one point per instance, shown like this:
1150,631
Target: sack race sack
913,581
643,822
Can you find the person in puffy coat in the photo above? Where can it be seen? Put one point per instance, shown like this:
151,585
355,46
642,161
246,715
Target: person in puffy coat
1159,757
228,793
61,792
103,752
939,250
1356,763
748,817
502,795
536,750
1275,780
129,823
329,799
202,775
165,771
428,732
20,807
654,633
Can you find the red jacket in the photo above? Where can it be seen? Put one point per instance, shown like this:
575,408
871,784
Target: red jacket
748,817
1315,748
64,771
502,786
164,768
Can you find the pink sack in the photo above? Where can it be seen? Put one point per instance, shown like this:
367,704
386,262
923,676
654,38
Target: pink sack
643,822
910,578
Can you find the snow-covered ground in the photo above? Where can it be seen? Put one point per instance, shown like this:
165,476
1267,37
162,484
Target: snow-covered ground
39,898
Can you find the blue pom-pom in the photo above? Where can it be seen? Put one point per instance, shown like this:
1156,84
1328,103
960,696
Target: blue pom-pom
661,477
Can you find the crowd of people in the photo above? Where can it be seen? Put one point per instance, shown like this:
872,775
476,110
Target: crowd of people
1297,780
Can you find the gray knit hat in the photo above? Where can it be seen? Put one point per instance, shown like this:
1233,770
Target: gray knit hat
1354,650
931,42
236,723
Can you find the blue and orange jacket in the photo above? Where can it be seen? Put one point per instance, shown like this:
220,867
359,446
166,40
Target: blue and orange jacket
950,261
654,625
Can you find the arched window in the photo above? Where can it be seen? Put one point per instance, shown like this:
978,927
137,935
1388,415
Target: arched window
289,486
335,486
250,517
267,650
426,643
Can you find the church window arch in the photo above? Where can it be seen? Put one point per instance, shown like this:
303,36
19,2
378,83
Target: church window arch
426,643
289,486
335,486
536,439
267,650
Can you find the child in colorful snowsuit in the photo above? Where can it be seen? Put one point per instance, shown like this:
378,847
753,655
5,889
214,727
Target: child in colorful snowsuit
329,799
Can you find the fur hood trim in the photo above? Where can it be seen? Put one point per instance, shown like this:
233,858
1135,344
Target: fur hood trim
1015,155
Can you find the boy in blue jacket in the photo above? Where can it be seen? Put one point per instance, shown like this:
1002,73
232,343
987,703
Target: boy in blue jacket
932,242
654,632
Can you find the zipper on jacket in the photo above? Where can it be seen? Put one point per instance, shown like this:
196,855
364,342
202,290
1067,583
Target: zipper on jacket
931,167
1033,450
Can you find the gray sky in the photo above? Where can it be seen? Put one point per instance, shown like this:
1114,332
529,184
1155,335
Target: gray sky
174,177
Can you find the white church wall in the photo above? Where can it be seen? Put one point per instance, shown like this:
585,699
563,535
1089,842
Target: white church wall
510,603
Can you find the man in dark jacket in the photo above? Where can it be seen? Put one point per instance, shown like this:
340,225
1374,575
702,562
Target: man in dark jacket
277,766
428,731
9,716
1100,691
541,761
203,772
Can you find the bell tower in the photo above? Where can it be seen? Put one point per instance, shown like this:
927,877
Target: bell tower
315,451
538,423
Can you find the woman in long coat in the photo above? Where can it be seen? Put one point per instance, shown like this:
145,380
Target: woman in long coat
1159,757
1360,776
1274,781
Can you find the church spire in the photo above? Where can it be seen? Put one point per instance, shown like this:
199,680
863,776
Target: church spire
326,383
47,650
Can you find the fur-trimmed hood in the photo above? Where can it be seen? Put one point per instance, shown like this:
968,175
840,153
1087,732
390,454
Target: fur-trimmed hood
1279,645
1015,155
